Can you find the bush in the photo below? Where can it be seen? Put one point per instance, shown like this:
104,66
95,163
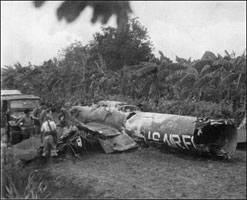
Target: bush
184,107
17,182
190,108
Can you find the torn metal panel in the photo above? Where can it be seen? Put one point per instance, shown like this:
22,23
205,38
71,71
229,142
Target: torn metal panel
120,106
104,115
123,142
106,124
106,145
119,143
218,137
173,124
101,129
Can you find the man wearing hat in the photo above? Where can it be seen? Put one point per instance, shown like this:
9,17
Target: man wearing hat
49,137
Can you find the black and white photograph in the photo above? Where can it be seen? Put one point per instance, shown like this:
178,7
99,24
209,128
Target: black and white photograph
123,100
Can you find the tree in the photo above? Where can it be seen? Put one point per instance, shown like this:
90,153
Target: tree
9,74
141,80
127,47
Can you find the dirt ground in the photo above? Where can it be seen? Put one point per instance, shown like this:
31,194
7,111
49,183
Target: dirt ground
145,173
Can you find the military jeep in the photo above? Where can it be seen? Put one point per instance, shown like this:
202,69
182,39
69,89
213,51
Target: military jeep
13,104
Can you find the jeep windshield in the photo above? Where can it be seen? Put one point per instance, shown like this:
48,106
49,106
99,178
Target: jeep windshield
21,105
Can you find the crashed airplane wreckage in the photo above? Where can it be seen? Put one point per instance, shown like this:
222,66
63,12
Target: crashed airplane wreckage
117,129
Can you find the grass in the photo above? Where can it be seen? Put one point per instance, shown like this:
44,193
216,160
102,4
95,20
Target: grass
20,183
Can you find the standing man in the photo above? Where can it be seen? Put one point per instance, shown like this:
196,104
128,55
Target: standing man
36,113
46,111
26,124
49,137
62,115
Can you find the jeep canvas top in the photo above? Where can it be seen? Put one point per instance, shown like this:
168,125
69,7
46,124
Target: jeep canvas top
15,103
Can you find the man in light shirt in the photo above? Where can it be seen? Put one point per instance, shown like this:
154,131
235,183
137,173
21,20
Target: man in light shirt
49,137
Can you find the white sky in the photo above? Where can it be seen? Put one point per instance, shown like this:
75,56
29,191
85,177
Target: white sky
186,29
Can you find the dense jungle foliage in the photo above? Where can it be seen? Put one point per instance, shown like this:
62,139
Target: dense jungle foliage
120,65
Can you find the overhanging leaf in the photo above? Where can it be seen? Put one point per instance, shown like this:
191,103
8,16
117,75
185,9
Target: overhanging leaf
102,10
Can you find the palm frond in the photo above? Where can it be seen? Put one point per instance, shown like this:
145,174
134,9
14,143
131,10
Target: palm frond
146,71
219,56
238,82
192,70
205,69
227,54
183,61
128,68
223,63
175,75
185,80
162,74
164,58
175,67
201,63
208,55
244,53
240,65
204,80
229,78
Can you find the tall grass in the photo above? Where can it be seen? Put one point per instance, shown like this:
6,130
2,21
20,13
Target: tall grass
20,183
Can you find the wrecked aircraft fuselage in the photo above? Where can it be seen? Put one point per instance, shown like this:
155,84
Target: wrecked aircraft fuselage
184,133
203,136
